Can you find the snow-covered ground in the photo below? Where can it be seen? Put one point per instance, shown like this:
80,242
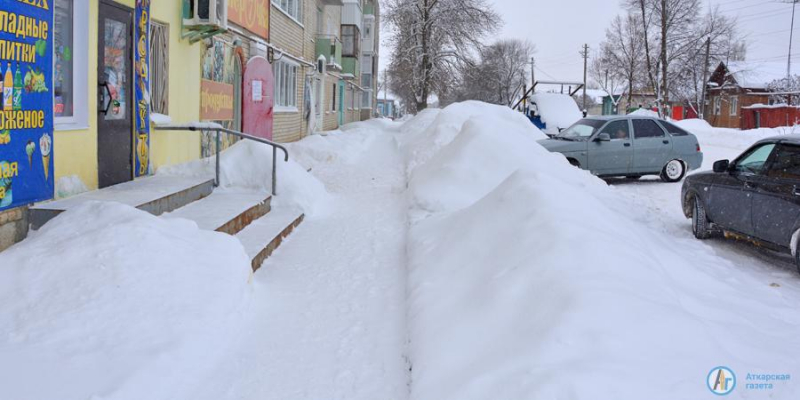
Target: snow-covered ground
663,208
453,258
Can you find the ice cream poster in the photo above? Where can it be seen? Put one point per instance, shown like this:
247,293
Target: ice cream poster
141,61
26,102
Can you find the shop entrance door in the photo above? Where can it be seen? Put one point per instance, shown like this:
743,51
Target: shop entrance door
114,117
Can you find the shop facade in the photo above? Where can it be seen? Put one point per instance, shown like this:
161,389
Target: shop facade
274,69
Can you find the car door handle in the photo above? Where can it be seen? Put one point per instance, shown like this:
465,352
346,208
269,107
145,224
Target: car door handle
665,141
626,144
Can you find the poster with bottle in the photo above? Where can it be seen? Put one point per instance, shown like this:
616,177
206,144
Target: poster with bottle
26,104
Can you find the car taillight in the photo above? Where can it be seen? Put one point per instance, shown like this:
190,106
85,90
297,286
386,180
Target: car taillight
698,147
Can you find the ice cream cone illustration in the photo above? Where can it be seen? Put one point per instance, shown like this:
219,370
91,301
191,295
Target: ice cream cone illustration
143,153
45,145
29,149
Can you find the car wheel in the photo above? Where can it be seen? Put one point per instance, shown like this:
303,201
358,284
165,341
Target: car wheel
797,260
700,226
673,171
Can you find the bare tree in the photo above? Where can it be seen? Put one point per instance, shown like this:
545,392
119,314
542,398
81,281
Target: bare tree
786,90
430,38
714,34
621,58
680,35
499,75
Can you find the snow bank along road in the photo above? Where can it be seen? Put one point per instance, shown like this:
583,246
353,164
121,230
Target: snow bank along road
448,257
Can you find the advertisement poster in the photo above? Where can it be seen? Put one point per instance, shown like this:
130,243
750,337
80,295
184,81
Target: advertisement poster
216,101
141,60
252,15
26,102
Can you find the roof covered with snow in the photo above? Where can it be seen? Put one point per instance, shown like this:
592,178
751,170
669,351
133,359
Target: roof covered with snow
759,74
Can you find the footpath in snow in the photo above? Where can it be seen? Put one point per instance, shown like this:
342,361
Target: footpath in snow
329,316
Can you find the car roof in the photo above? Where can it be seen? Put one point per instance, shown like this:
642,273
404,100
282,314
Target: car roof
793,138
616,117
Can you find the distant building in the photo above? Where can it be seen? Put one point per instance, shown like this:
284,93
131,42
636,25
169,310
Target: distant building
738,86
388,109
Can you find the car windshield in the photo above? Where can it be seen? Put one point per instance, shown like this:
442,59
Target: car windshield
582,129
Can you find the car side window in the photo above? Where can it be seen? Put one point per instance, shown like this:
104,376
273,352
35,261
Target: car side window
786,164
647,128
618,130
673,129
753,161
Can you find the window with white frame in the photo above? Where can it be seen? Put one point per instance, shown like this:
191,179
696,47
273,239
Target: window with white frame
733,106
292,7
718,105
70,64
285,85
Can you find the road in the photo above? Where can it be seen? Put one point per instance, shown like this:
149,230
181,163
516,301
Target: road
660,207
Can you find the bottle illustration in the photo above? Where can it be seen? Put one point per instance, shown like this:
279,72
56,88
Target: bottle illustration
8,89
1,87
18,84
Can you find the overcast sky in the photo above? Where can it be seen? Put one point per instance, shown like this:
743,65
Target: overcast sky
558,29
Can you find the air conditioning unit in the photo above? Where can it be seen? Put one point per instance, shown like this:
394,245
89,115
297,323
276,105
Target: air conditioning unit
204,13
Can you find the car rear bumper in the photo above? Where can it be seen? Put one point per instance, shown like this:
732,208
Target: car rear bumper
694,161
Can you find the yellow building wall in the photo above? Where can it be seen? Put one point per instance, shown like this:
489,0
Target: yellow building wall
76,150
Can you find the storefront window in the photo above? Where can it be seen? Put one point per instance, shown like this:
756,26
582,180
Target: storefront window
70,31
64,68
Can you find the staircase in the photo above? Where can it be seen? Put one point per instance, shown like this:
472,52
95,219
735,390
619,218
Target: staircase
246,215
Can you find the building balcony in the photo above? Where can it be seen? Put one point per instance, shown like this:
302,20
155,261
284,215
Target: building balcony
330,47
351,65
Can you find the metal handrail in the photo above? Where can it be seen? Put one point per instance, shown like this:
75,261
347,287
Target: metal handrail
218,130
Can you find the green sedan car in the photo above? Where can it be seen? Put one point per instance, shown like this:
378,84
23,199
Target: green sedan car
630,146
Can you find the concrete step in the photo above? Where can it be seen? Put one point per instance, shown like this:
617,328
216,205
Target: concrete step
154,194
227,212
265,234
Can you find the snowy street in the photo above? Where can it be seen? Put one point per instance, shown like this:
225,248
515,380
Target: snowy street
661,203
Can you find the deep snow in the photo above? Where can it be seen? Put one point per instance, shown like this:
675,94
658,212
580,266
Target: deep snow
552,285
109,302
445,257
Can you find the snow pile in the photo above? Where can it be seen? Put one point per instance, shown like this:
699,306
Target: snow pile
693,124
643,112
487,149
160,119
558,111
109,302
69,186
421,140
333,147
546,287
248,164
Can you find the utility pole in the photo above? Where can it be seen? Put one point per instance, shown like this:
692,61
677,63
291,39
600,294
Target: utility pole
705,80
533,74
791,36
585,54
